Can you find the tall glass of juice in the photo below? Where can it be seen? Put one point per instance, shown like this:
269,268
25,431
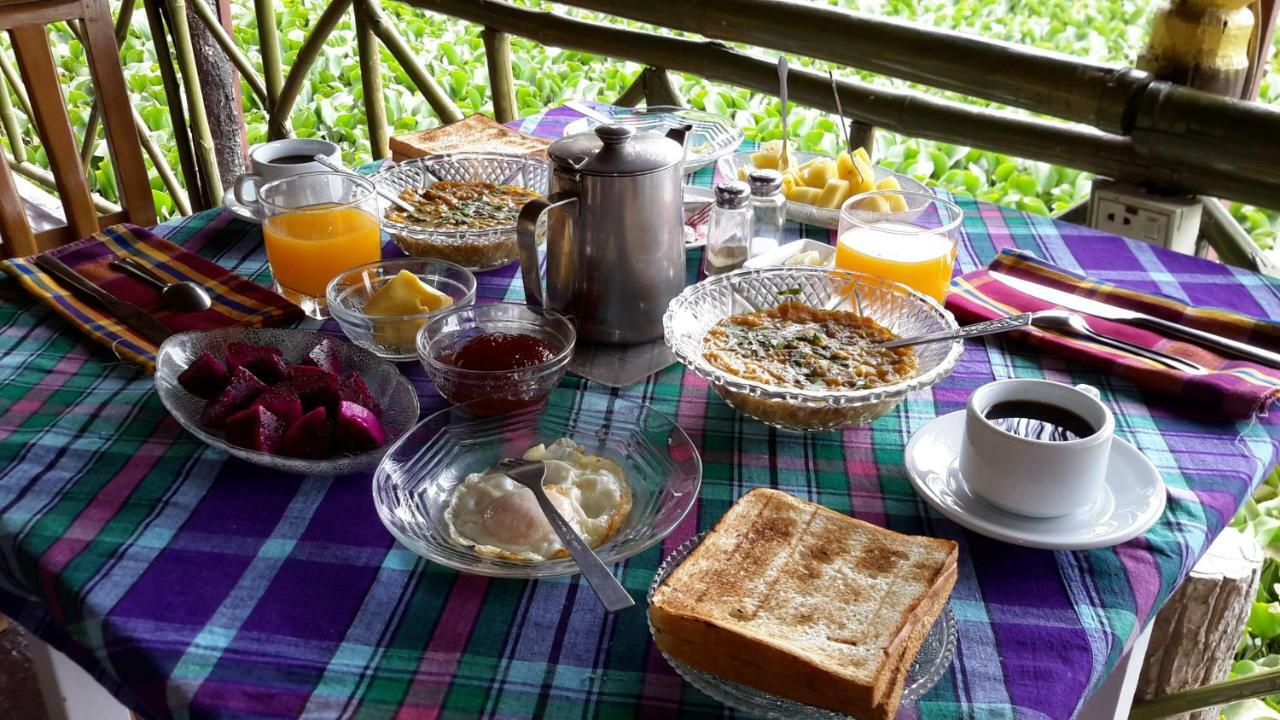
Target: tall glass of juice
316,226
906,237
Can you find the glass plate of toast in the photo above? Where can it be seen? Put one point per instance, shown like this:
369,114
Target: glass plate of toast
931,663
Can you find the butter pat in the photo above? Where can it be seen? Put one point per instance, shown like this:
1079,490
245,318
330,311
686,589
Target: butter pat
406,294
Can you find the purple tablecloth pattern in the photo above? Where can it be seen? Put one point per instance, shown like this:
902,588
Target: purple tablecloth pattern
195,585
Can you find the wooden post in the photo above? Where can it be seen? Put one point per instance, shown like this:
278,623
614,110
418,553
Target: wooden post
502,82
375,110
219,85
633,94
658,88
1195,636
211,23
206,153
863,136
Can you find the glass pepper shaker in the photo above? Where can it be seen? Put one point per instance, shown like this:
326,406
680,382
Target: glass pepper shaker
768,211
729,232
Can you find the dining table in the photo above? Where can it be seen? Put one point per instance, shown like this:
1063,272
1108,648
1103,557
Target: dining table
193,584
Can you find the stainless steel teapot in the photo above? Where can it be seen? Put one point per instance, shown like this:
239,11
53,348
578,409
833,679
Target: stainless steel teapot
615,232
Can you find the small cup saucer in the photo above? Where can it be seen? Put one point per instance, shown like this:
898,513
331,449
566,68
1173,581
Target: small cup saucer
240,211
1132,500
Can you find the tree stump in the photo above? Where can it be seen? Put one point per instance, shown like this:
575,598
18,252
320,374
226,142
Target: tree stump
1196,634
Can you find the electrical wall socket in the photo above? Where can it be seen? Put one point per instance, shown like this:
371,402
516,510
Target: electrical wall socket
1168,221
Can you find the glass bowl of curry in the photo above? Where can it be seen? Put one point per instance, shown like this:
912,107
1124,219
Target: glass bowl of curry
795,347
465,205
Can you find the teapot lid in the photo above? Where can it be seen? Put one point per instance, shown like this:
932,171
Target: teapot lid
615,150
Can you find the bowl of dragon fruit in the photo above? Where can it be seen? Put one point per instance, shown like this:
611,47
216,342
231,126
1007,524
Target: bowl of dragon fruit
290,400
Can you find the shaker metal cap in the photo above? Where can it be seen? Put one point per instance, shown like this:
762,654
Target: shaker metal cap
615,150
765,182
732,194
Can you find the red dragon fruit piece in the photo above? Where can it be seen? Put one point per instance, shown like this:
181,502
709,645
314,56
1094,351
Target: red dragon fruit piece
309,437
243,388
283,402
264,361
356,429
316,386
325,355
255,428
353,389
205,377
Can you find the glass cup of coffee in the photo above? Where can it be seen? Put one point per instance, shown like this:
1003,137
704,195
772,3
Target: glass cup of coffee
1036,447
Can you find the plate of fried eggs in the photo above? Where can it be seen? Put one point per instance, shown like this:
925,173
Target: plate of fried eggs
621,473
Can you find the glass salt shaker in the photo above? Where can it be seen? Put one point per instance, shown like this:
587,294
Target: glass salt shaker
768,211
729,232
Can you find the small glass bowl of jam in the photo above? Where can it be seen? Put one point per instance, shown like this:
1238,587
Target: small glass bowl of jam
501,357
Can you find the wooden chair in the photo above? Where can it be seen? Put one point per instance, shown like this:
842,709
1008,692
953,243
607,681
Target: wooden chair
26,20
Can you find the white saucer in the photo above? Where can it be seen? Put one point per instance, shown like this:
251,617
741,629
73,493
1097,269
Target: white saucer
242,212
1132,500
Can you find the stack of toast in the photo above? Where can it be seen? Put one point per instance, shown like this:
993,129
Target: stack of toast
797,600
474,133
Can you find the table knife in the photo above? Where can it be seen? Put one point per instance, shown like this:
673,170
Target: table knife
1105,311
124,311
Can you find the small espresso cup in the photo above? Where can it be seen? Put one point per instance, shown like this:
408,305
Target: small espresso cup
280,159
1034,476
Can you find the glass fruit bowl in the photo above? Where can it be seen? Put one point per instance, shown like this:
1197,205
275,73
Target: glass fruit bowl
898,308
738,164
415,481
479,249
393,338
393,392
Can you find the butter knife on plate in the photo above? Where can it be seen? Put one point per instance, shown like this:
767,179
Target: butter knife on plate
126,312
1106,311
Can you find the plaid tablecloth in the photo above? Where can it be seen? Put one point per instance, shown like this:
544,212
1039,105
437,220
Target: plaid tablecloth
194,585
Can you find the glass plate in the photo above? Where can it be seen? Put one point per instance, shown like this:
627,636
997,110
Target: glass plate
712,137
931,663
393,392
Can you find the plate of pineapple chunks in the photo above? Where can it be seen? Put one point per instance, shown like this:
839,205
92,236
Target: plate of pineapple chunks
817,185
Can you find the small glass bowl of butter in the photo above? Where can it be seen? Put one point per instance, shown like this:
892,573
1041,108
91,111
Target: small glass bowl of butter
382,305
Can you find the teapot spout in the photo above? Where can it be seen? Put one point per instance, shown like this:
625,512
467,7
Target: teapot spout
679,133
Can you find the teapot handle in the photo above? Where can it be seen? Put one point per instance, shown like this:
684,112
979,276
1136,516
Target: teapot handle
526,239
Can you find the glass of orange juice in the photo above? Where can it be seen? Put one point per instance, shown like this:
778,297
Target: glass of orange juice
906,237
317,226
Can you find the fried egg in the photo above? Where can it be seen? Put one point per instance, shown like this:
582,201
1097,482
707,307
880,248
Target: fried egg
494,515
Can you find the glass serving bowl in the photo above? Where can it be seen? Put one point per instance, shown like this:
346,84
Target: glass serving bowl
811,214
896,307
495,391
414,482
484,249
930,664
710,136
393,337
393,392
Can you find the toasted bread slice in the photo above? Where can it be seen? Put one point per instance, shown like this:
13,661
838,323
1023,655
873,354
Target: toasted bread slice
474,133
804,602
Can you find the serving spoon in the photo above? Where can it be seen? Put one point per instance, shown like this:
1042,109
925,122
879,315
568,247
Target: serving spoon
1061,321
183,295
390,197
530,474
783,159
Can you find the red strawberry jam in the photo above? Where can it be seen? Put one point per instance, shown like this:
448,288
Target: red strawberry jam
500,351
504,381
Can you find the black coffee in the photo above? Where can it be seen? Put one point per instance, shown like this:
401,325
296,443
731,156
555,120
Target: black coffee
292,160
1039,421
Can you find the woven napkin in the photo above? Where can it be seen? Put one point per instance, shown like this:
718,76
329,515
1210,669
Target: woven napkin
236,301
1234,389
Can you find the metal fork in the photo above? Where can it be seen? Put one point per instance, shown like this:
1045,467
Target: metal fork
611,593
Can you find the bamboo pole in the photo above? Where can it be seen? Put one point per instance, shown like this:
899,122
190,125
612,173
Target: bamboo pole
43,177
1230,241
658,88
1228,691
278,118
95,111
439,101
900,111
375,110
203,139
17,143
502,82
161,163
269,49
245,67
173,97
19,90
633,94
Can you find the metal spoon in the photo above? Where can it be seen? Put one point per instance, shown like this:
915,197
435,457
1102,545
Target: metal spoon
844,122
1062,321
184,295
390,197
784,160
611,593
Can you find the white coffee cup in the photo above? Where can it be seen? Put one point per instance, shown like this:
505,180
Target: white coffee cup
279,159
1036,477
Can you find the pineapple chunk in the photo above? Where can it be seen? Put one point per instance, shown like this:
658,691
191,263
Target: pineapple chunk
813,163
742,174
805,195
889,183
873,205
762,159
773,147
833,193
790,180
818,173
866,176
846,168
861,152
897,203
